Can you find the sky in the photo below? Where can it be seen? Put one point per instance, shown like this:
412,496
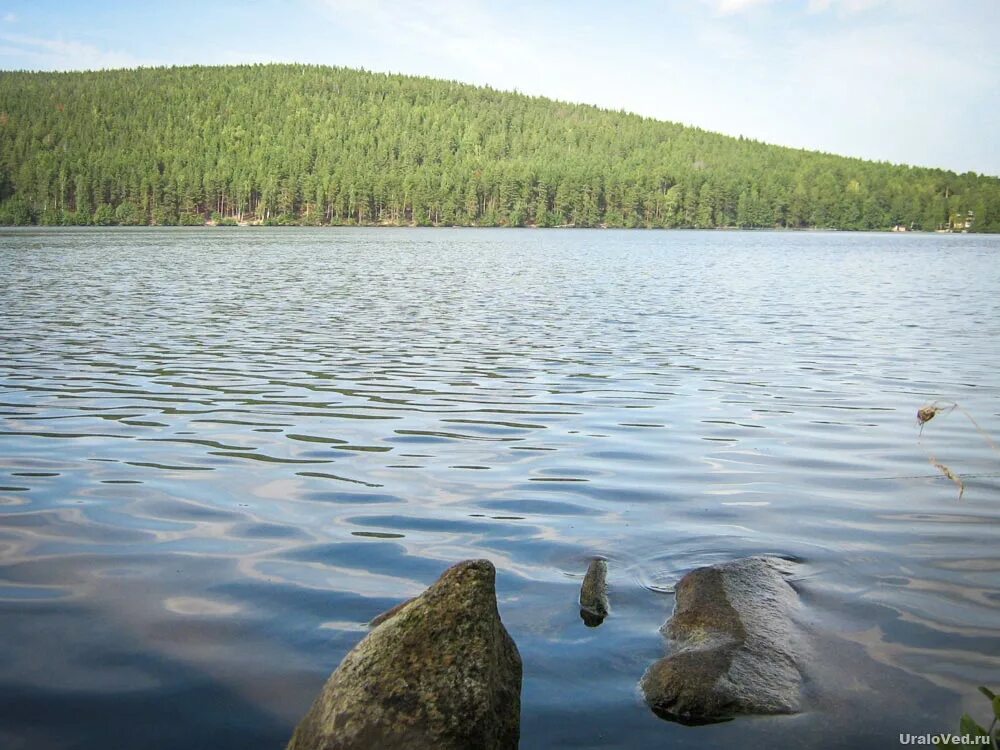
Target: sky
910,81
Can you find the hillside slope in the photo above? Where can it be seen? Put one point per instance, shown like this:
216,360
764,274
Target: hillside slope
319,145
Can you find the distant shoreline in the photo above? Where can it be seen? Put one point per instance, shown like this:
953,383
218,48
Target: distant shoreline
209,225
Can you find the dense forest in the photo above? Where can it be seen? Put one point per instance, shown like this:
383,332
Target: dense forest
299,144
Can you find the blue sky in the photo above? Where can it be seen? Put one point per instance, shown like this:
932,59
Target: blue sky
915,81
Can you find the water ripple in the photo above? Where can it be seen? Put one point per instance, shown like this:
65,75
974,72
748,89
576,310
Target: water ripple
223,453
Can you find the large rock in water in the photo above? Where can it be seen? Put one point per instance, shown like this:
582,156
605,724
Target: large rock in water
442,672
736,649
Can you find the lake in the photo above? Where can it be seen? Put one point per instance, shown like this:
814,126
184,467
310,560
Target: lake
223,451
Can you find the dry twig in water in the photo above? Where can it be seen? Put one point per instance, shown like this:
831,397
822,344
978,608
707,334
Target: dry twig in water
951,475
926,413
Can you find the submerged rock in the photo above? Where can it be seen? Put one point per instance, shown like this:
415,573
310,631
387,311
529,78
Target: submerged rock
594,594
440,671
735,648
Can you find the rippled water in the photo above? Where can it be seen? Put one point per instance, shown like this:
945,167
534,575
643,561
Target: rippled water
224,451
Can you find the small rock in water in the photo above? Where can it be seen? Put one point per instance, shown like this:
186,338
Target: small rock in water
594,594
735,650
441,671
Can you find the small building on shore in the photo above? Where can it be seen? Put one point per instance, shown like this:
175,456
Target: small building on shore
959,222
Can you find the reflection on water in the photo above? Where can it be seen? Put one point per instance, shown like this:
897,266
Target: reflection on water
222,452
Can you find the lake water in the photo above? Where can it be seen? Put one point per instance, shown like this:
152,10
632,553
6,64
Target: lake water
223,451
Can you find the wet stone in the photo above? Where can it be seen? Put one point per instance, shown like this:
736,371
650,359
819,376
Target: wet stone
735,648
594,594
439,671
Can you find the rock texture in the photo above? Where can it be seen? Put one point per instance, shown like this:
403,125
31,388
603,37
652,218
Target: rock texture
594,594
441,672
735,647
388,614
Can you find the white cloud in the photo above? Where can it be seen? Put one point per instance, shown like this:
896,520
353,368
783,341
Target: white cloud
58,54
469,34
10,17
726,43
842,6
729,7
903,86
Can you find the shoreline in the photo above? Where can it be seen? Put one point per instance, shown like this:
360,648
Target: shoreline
263,225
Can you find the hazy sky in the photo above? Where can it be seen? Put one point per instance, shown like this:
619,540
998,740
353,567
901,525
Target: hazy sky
914,81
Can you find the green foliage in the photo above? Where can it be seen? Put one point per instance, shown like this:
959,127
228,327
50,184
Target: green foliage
104,216
970,729
223,221
127,214
299,144
51,217
76,218
15,212
280,220
164,217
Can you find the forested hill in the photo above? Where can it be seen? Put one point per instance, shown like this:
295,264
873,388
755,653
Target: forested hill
318,145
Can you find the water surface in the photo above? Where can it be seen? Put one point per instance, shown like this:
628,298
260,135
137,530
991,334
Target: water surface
223,451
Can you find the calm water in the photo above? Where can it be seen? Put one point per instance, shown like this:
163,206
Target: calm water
223,451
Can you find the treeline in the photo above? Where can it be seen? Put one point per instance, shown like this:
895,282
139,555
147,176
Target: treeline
304,144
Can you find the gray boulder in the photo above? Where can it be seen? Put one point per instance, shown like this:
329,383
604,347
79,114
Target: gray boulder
735,647
441,671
